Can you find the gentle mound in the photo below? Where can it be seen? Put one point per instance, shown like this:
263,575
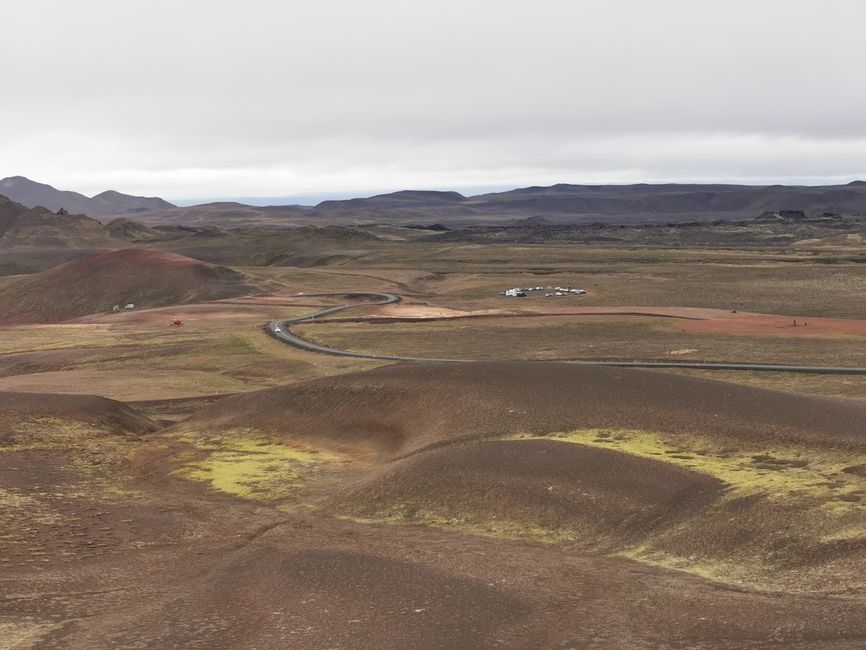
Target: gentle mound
28,417
537,485
145,278
330,599
404,408
737,483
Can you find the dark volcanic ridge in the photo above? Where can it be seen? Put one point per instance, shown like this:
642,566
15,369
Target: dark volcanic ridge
558,204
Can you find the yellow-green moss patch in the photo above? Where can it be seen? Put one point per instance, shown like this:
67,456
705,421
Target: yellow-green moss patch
19,635
21,512
778,472
50,432
783,503
255,469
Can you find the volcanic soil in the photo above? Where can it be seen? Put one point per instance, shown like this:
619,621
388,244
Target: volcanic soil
403,408
514,504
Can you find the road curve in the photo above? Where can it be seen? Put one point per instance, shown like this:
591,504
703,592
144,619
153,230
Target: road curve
281,330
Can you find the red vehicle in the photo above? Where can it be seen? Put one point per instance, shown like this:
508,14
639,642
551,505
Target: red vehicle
176,322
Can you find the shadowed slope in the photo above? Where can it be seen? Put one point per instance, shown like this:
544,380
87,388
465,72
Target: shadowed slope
26,417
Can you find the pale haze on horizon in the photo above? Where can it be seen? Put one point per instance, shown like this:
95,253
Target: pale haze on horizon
200,99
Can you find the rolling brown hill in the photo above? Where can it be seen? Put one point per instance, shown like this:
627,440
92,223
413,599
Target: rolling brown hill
541,483
401,409
745,483
22,416
145,278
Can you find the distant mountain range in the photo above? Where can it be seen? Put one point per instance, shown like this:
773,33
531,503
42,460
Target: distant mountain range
631,202
560,204
31,194
25,229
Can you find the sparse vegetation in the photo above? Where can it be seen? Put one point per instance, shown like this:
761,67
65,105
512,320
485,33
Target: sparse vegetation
535,478
253,468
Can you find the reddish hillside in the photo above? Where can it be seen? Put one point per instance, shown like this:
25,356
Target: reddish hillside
93,284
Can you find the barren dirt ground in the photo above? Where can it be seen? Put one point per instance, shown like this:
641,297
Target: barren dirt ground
234,492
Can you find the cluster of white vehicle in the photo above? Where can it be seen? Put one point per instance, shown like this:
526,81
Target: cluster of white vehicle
550,292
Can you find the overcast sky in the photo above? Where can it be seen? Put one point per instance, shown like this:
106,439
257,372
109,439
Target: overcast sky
214,98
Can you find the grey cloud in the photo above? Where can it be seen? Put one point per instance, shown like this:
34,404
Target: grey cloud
212,98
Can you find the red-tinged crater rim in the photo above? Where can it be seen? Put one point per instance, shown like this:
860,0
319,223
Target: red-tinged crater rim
133,256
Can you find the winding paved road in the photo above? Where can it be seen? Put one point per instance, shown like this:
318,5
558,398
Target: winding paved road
281,330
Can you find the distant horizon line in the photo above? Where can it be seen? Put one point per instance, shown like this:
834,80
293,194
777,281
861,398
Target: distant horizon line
312,199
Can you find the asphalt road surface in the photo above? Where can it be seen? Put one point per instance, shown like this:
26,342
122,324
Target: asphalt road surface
281,330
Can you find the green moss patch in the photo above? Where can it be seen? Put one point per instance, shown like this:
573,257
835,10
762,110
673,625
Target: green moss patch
780,472
792,519
255,469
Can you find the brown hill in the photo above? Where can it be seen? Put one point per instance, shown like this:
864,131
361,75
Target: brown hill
224,214
401,409
540,483
367,601
128,230
112,202
752,485
145,278
22,413
22,227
